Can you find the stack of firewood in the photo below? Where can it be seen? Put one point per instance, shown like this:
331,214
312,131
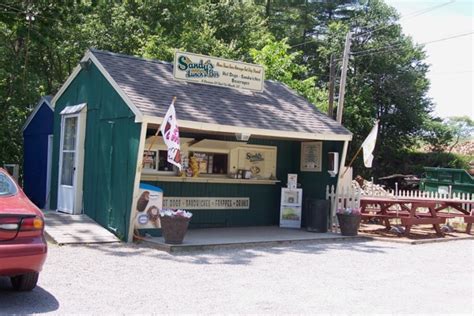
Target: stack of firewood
368,187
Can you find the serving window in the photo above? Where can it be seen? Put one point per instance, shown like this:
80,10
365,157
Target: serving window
212,163
217,160
157,160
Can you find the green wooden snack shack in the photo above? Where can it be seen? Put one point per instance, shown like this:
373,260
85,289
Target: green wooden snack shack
246,133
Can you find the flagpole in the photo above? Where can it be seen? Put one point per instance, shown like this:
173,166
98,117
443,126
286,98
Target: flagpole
352,161
158,130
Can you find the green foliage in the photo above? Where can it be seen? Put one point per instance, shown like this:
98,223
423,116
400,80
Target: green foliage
281,65
437,134
412,162
463,126
293,40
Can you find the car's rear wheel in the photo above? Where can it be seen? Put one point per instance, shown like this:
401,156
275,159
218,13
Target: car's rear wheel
25,282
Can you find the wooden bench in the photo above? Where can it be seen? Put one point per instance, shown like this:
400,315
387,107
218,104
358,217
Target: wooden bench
421,221
364,215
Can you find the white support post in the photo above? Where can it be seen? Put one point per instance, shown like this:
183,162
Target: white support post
339,180
136,183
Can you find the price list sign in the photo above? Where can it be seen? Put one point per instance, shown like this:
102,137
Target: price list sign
311,156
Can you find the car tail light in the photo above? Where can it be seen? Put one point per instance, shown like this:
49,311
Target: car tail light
32,224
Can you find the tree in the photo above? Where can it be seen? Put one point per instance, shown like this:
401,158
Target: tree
462,127
292,39
280,65
437,134
386,75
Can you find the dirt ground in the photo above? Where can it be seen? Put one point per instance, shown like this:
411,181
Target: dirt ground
353,277
417,233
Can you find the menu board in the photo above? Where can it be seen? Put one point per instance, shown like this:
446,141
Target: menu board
311,156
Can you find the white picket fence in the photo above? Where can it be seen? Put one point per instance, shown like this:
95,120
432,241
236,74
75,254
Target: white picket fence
350,196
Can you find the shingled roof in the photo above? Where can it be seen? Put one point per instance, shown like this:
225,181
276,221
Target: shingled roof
150,86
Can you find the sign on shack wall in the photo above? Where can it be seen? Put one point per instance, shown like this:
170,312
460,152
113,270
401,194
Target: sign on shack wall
218,72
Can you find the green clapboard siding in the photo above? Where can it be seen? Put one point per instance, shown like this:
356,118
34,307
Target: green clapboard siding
111,145
264,199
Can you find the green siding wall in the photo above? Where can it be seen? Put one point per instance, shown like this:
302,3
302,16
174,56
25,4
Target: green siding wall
264,199
111,145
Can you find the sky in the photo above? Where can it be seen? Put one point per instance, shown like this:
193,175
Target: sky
451,71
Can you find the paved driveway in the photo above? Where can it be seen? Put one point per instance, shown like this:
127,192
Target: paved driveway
348,277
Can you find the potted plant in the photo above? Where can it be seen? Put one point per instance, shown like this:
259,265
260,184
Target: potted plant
174,225
349,220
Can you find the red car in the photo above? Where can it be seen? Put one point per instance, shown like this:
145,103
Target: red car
22,244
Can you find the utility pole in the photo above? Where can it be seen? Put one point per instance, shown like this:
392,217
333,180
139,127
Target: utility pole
342,88
332,78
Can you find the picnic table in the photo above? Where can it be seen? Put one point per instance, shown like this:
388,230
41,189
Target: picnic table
407,209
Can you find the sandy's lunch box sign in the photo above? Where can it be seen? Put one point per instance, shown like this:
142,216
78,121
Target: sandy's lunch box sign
218,72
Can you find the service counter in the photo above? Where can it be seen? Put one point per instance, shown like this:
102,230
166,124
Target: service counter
199,179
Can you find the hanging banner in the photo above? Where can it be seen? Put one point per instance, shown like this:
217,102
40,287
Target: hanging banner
218,72
170,131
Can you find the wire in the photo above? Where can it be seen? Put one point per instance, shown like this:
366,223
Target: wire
387,48
408,16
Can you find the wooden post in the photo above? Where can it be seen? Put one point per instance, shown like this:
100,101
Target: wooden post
332,79
342,88
352,161
136,183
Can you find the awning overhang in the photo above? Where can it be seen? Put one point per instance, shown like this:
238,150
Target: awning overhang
229,129
73,109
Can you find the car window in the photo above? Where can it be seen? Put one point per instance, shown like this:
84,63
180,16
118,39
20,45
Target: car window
7,186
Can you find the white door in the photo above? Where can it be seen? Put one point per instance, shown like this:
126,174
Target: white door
68,163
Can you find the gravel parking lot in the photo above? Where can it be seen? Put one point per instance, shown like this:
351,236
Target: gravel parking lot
348,277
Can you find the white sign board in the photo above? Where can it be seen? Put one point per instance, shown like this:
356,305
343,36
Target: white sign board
290,207
206,203
292,180
218,72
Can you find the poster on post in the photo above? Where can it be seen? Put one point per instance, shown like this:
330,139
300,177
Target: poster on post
149,205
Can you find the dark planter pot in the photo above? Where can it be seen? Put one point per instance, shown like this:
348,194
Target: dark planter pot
349,224
174,228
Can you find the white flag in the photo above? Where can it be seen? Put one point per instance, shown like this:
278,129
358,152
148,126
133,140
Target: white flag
170,131
369,144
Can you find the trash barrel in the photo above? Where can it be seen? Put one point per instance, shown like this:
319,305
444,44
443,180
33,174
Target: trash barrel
316,214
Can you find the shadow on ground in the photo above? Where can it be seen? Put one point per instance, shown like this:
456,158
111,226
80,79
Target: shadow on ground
236,255
35,302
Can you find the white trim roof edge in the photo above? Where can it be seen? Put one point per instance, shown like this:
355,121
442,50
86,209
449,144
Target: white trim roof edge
73,109
209,127
90,56
35,110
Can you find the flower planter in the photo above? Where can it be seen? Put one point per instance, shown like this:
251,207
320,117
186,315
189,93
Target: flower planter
174,228
349,224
